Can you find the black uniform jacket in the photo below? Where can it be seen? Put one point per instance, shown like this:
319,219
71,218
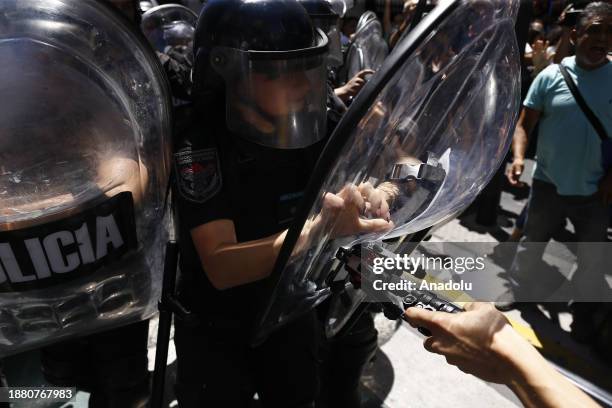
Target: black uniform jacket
220,176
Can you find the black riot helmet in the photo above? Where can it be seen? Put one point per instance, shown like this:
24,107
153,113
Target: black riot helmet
326,18
267,62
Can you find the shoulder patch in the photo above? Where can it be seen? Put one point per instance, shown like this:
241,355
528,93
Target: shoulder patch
198,174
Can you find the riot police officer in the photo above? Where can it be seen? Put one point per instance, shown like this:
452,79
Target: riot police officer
241,168
170,29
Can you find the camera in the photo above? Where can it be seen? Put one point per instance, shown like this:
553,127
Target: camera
573,14
571,17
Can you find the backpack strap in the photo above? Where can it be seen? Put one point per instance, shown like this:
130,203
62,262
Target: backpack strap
593,119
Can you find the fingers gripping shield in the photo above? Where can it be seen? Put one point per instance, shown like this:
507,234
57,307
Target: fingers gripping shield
417,145
83,171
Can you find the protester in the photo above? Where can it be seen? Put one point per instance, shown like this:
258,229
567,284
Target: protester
257,133
570,180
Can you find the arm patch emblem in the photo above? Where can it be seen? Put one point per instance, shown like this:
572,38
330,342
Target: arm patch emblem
198,174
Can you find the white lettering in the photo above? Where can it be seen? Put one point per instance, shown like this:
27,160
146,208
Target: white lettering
85,247
2,273
37,255
7,258
377,268
416,263
380,285
446,286
107,232
54,252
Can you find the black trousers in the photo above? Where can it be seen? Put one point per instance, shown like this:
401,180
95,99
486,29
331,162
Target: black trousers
216,366
111,365
344,360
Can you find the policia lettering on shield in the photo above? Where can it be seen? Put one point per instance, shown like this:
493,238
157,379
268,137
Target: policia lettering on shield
82,177
241,167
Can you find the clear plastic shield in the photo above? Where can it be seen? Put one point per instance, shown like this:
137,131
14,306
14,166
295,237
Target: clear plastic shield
429,129
84,147
368,48
147,5
330,27
341,6
364,19
169,25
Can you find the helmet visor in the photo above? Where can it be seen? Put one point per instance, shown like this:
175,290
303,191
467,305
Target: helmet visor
169,25
275,99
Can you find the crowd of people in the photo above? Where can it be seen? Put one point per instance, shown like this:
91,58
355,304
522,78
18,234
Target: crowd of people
572,178
570,146
257,93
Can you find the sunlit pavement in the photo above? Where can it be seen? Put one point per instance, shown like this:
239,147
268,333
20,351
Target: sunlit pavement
404,375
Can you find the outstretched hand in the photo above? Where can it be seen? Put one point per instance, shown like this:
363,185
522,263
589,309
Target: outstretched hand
472,340
353,86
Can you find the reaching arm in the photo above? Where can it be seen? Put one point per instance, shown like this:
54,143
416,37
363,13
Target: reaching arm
481,342
563,46
526,123
228,263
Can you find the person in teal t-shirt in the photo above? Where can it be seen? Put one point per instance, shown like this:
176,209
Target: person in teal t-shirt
570,181
569,149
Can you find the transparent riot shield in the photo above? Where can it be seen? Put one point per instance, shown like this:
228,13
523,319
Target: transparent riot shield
169,25
368,48
84,147
364,19
429,129
146,5
341,6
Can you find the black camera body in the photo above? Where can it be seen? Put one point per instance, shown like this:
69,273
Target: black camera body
571,17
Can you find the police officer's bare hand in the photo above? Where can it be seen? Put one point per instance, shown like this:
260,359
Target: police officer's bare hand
343,211
605,188
514,172
353,86
473,341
